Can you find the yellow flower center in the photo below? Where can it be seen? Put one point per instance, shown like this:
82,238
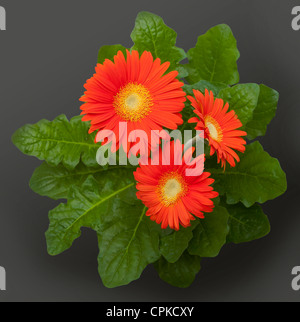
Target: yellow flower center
133,102
214,128
171,187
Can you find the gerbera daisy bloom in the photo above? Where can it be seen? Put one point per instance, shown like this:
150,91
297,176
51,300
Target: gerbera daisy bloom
219,126
133,90
172,197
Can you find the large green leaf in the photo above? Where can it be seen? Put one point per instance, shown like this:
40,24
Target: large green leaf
86,206
173,245
256,178
151,34
182,273
202,85
58,141
210,234
242,98
128,242
127,238
55,182
214,57
109,51
246,224
263,113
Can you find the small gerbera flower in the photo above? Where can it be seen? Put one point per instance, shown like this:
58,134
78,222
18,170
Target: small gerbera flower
133,90
172,197
219,126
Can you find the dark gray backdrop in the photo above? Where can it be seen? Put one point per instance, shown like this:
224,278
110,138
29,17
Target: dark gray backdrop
46,55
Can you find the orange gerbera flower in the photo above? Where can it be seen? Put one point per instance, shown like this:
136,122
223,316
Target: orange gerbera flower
219,126
172,197
133,90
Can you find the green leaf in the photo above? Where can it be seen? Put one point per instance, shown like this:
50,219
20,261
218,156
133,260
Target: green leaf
182,72
214,57
242,98
210,234
263,113
182,273
151,34
86,206
55,182
172,246
128,242
246,224
256,178
109,51
58,141
202,85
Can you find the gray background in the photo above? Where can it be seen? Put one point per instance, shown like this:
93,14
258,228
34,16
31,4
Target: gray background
46,55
